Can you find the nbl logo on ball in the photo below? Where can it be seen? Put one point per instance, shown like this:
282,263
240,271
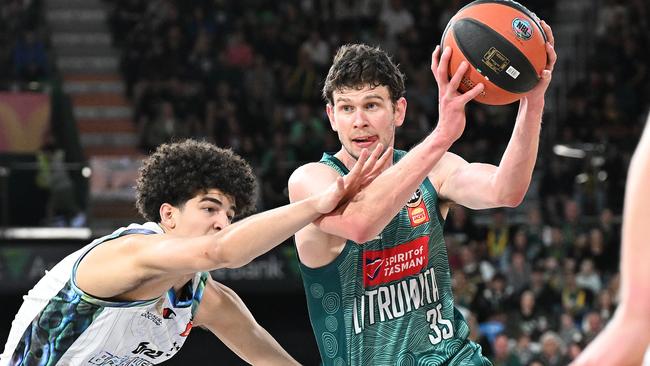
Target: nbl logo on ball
522,29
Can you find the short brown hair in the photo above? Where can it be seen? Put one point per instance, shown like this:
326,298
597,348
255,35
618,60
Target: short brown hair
358,65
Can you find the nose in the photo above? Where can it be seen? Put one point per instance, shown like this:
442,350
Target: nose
360,119
221,221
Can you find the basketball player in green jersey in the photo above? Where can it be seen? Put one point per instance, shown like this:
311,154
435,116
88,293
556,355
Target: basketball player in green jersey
376,273
626,337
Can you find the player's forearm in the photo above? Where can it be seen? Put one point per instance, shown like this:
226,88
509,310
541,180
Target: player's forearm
373,208
266,351
515,170
241,242
635,250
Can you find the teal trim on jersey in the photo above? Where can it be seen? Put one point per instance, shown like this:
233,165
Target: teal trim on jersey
428,184
333,162
198,292
71,312
66,316
104,302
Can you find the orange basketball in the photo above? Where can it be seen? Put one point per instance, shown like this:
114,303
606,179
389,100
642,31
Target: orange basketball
504,45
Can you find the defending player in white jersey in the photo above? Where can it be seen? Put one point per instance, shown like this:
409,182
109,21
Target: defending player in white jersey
132,297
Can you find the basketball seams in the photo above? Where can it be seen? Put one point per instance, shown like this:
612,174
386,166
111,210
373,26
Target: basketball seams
524,66
514,65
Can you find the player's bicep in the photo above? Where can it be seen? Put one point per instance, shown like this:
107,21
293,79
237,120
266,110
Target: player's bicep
467,184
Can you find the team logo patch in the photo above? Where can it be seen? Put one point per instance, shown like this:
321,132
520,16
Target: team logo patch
382,266
415,199
522,28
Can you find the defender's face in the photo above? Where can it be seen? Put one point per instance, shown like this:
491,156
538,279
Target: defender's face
206,213
365,117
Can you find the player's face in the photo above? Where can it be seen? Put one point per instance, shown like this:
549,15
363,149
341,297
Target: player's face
206,213
362,118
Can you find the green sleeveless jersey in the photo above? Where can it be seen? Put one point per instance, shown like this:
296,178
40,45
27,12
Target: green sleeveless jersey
389,301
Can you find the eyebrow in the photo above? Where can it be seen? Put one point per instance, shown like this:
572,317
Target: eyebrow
216,201
370,96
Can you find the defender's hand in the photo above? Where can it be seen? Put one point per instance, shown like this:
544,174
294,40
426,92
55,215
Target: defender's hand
365,170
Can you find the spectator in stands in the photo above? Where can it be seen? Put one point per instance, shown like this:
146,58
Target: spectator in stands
503,356
317,49
30,58
605,306
396,17
460,225
518,272
575,300
528,318
569,331
498,234
546,297
553,350
522,349
491,302
588,277
62,208
307,133
592,324
161,129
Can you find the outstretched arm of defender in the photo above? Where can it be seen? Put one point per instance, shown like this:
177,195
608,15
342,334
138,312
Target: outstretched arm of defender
136,258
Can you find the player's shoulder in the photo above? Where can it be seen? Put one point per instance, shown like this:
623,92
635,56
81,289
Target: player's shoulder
311,173
310,179
131,239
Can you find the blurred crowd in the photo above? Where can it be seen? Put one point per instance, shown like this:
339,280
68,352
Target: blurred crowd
247,75
23,44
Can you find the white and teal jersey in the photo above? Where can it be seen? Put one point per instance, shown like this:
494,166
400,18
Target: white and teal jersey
59,324
389,301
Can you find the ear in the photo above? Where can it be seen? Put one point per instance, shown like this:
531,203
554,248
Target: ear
330,115
400,111
167,215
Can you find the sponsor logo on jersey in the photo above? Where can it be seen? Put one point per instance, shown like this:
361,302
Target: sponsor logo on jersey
153,317
417,209
168,313
391,264
373,266
397,299
418,215
108,359
145,350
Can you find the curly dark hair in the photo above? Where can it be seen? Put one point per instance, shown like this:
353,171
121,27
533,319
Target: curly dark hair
176,172
358,65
